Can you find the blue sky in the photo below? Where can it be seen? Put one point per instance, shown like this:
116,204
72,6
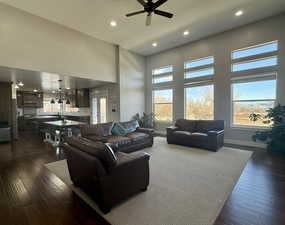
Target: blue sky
255,90
255,50
242,91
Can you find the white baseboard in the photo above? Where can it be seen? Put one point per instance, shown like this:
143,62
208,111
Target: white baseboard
246,143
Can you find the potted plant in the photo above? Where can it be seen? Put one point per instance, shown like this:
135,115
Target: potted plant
146,120
274,137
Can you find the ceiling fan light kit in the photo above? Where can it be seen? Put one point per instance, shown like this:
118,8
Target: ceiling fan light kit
150,8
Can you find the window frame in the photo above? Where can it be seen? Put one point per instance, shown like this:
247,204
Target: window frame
198,84
199,68
253,60
255,46
172,103
249,79
153,76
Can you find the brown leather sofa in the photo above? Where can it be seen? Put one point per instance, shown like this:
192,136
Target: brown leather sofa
207,134
136,138
107,176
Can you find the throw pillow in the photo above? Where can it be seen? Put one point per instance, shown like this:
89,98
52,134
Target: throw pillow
119,130
130,126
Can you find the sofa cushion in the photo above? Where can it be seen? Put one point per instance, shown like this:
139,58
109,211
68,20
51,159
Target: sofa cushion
137,137
119,140
103,129
96,138
204,126
199,134
119,130
186,125
130,126
181,132
99,150
196,136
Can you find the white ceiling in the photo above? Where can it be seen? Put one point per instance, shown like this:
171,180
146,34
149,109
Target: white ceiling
43,81
201,17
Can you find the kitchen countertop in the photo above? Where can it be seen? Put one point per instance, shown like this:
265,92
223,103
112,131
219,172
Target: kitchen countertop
53,116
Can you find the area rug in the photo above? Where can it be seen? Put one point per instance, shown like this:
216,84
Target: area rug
188,186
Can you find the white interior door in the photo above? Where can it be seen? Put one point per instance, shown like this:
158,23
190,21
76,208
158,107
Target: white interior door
99,109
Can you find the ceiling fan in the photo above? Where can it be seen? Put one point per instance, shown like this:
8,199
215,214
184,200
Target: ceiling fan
150,7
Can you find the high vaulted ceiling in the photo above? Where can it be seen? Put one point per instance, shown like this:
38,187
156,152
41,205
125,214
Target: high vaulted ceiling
201,17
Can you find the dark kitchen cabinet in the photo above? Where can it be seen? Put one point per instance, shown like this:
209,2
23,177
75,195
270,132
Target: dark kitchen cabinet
82,98
71,96
30,99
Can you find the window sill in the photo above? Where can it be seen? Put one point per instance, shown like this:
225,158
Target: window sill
249,128
163,121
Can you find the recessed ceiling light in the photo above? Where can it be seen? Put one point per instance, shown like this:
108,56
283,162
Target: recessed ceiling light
154,44
113,23
35,90
239,13
21,84
186,32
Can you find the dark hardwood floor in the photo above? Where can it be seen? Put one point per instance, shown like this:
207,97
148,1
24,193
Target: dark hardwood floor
31,195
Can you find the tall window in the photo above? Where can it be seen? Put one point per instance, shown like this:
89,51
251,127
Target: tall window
199,88
252,97
253,93
199,102
254,57
163,104
162,75
199,67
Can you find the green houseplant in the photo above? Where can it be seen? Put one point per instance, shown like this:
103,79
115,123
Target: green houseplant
275,136
146,120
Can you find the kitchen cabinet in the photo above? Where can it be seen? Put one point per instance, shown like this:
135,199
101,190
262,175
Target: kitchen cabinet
30,99
71,96
82,98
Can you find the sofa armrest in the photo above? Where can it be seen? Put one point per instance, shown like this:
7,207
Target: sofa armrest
171,129
126,161
83,166
215,132
145,130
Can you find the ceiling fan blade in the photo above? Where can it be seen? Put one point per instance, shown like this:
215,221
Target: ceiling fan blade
142,2
159,3
148,19
135,13
162,13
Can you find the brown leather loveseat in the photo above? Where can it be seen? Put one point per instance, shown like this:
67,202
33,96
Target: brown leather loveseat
207,134
108,177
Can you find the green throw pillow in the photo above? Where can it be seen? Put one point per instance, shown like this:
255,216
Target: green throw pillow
119,130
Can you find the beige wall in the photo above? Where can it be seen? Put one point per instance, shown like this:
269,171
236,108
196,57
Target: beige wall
220,46
32,43
132,69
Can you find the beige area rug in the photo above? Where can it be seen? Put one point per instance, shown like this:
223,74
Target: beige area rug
188,186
